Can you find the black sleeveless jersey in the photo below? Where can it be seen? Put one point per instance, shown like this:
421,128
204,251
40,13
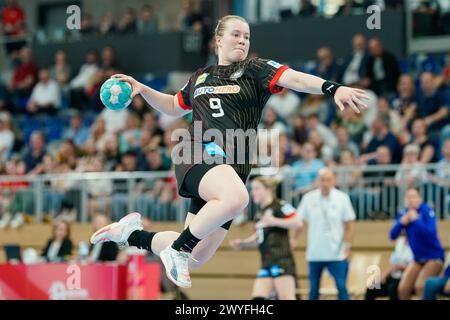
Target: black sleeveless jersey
230,97
273,242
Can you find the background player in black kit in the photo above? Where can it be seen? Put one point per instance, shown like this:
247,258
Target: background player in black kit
275,218
233,96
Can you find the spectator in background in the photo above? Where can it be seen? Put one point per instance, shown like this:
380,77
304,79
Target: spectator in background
156,160
405,102
382,69
99,191
92,91
419,222
59,247
315,104
285,103
115,120
188,17
87,25
324,151
271,121
307,169
127,23
148,23
19,197
433,105
307,9
13,24
25,75
394,118
128,163
326,135
443,170
6,141
78,133
139,106
102,252
107,25
35,153
399,260
354,70
344,143
61,71
88,156
411,172
354,124
151,126
382,135
111,152
348,178
427,146
99,135
326,66
299,131
329,215
383,156
443,80
46,95
129,139
109,62
81,81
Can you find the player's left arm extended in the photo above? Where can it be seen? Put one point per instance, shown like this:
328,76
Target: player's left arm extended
291,222
303,82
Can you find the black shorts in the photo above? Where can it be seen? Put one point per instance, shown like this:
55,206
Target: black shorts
189,182
282,267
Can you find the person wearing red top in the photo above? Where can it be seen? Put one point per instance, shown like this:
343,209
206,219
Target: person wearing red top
25,75
13,22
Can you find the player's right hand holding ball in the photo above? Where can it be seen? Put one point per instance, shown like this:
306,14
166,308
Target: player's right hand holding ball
135,85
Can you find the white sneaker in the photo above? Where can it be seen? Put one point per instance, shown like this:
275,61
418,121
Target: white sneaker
177,266
17,221
6,218
119,232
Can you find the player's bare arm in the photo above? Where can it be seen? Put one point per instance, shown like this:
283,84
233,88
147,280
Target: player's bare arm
162,102
303,82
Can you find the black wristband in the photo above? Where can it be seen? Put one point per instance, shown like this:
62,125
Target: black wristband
329,88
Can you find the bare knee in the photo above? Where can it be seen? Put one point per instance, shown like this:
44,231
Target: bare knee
236,200
403,292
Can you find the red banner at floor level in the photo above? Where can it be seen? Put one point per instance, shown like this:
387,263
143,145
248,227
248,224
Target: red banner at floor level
80,281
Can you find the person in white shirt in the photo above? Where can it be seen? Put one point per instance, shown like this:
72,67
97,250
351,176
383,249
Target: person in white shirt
328,214
285,103
6,140
82,80
46,95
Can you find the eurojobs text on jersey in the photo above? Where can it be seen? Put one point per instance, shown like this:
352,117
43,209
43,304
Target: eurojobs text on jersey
236,147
